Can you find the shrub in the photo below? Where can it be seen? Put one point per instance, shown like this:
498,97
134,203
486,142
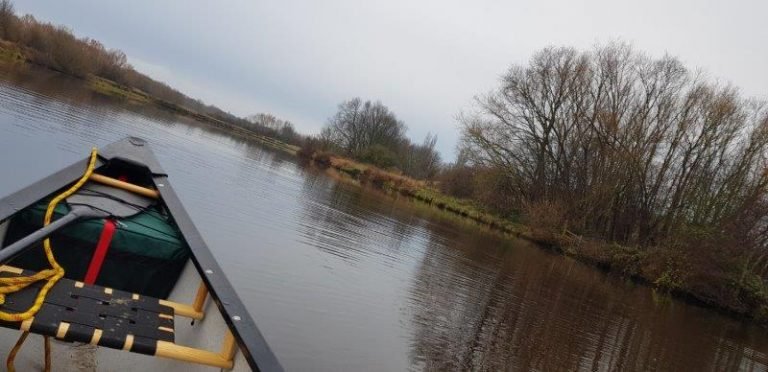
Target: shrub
308,148
457,181
379,156
546,215
493,190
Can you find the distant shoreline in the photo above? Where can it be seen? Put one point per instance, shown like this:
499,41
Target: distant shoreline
11,53
608,257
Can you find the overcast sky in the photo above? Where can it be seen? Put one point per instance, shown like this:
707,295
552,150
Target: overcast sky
424,59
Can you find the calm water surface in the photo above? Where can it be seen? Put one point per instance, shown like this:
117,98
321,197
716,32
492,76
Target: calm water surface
340,278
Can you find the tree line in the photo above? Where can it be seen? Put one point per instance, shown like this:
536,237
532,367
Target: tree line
283,130
57,48
366,131
613,144
370,132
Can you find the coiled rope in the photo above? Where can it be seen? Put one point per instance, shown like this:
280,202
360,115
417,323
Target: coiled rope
52,275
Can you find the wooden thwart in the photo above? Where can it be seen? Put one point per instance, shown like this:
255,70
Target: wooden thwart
184,310
188,354
109,181
200,296
223,359
229,347
194,311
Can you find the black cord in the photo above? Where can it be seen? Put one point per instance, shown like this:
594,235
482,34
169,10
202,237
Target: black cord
139,208
108,196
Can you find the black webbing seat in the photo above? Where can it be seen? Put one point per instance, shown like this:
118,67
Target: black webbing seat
78,312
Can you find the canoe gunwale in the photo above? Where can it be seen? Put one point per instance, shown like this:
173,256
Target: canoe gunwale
249,339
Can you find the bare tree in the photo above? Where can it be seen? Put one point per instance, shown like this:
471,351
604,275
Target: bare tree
358,126
421,161
634,149
8,20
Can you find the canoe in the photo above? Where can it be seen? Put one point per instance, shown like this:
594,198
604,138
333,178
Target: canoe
140,291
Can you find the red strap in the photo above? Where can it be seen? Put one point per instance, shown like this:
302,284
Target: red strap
101,251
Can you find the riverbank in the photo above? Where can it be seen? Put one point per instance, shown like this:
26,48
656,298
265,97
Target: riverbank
669,271
135,96
11,53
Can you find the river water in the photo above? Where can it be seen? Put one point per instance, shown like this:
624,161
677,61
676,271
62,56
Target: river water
342,278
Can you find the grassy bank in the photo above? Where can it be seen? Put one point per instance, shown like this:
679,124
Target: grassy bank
24,39
135,96
112,89
11,53
663,269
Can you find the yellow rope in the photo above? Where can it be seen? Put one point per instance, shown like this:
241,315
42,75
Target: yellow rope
52,275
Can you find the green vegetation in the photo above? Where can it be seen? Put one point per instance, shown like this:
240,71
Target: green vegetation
110,88
422,191
10,53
